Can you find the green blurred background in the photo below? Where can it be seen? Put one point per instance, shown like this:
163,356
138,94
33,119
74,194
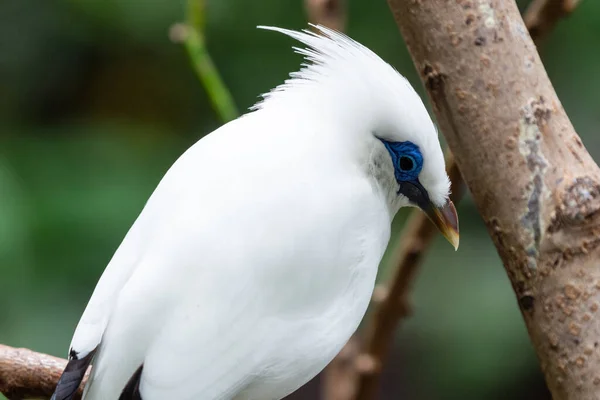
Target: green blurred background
96,103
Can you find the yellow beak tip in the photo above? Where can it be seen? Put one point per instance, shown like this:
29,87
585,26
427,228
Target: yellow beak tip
446,220
453,238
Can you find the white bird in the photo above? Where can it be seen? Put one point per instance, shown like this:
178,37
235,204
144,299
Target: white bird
254,260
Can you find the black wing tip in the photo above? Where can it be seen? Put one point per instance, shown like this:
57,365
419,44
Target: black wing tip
131,391
72,375
73,355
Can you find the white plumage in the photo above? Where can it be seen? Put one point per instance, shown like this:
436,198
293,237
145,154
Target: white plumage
255,258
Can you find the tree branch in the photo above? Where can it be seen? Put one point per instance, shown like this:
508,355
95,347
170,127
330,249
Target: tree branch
25,374
534,184
329,13
542,16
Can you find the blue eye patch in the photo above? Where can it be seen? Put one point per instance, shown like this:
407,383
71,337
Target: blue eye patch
407,160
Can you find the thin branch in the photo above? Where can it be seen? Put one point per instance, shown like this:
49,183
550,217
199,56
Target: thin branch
360,380
329,13
25,374
192,35
339,378
543,15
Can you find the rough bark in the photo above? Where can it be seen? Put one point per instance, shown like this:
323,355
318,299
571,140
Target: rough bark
534,183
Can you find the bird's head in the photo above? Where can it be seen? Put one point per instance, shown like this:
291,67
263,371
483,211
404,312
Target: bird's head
345,81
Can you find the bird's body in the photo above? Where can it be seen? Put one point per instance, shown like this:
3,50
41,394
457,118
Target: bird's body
254,260
265,279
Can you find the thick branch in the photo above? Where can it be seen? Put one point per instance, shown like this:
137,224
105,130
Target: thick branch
534,183
25,374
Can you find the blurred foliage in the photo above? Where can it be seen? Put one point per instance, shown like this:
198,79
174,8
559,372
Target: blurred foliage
96,103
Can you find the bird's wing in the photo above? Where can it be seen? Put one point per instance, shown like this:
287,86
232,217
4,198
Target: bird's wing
206,345
193,298
141,236
93,322
156,245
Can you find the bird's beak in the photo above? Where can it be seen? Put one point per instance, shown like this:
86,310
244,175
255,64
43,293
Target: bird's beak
446,220
443,217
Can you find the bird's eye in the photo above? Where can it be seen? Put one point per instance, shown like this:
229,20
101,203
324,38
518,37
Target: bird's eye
407,163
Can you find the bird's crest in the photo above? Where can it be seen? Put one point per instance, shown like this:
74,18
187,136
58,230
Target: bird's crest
330,54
